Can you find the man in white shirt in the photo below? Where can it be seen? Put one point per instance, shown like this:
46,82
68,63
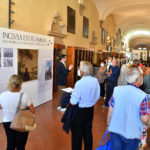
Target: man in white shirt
86,93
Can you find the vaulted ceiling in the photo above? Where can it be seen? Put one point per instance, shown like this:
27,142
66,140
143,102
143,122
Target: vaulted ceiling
129,16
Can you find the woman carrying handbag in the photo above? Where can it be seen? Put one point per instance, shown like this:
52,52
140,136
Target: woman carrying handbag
9,101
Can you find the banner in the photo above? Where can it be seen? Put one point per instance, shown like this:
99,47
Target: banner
20,39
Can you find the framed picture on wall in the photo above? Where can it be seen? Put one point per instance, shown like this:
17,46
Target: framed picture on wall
70,20
85,27
103,36
28,64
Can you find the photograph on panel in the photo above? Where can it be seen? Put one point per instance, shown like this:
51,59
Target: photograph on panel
8,57
48,70
28,64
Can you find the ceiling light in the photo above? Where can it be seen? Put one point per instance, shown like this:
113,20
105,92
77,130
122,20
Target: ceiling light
141,32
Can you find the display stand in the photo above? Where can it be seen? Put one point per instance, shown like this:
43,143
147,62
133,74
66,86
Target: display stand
11,43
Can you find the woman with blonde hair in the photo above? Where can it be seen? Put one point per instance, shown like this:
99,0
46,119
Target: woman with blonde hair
9,101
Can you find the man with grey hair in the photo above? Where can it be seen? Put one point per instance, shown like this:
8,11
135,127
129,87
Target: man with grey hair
128,105
86,93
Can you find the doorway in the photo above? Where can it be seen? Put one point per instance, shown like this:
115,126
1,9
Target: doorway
58,51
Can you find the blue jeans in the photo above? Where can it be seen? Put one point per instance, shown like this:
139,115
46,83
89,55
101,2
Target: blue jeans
118,142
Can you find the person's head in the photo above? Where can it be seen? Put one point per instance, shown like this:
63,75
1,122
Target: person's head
86,68
123,61
114,61
133,76
63,57
145,64
109,59
14,83
136,62
132,66
102,64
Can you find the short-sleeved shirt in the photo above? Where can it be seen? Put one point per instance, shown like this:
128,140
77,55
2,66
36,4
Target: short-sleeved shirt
9,102
86,92
144,107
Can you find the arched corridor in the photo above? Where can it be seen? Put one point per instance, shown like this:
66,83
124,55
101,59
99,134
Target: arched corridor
97,31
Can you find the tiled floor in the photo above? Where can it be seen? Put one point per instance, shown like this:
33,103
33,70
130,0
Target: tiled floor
49,134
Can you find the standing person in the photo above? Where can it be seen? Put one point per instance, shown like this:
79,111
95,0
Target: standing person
62,73
86,93
123,73
146,81
111,81
135,62
145,69
128,105
109,64
9,101
146,87
101,75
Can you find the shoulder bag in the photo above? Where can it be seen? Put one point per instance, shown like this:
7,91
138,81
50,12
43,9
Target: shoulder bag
24,120
107,145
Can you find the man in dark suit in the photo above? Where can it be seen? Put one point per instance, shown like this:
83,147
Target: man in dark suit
62,73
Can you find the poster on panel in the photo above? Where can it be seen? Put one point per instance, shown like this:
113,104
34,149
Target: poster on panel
28,64
48,70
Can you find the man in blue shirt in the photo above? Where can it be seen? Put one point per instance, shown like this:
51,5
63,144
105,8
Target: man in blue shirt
86,93
113,75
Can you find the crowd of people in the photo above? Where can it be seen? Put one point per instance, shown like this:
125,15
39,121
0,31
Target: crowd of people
124,89
128,102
